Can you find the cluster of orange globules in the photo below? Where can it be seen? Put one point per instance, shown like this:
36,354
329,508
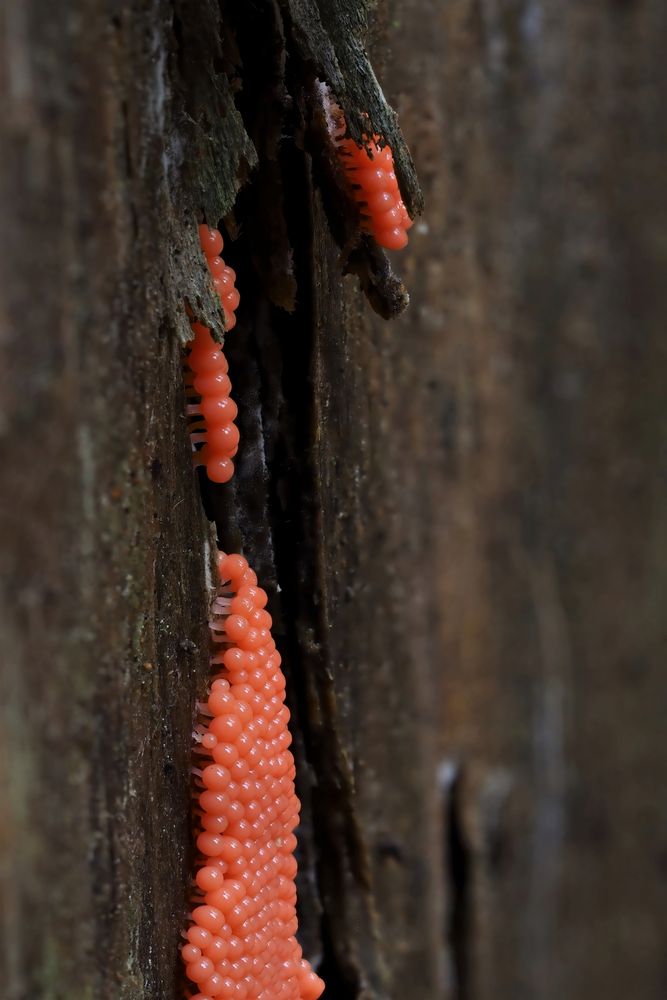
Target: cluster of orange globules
224,277
241,941
370,171
207,382
210,408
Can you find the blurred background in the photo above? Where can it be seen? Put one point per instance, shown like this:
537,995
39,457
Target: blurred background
459,513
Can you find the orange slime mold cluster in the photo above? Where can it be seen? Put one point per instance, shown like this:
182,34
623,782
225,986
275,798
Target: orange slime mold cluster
207,382
375,189
240,942
224,277
210,408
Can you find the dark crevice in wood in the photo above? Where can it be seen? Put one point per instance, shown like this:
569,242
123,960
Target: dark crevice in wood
270,511
336,839
457,866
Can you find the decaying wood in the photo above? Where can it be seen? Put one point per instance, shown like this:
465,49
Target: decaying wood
458,515
534,359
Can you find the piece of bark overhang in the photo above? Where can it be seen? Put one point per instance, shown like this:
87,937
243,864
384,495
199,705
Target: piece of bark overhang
211,149
330,38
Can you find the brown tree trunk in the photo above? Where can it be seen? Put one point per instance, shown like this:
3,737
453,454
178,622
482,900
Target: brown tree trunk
459,515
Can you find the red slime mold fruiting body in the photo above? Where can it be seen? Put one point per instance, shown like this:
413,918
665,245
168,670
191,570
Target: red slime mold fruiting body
223,277
213,432
370,171
241,940
210,409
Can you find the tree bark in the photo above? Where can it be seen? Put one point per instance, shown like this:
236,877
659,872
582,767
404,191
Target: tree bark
459,515
535,359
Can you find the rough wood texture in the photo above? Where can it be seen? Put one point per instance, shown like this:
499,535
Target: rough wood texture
103,596
536,350
459,516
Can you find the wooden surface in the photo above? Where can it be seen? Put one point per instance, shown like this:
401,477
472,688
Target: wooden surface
538,324
459,515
